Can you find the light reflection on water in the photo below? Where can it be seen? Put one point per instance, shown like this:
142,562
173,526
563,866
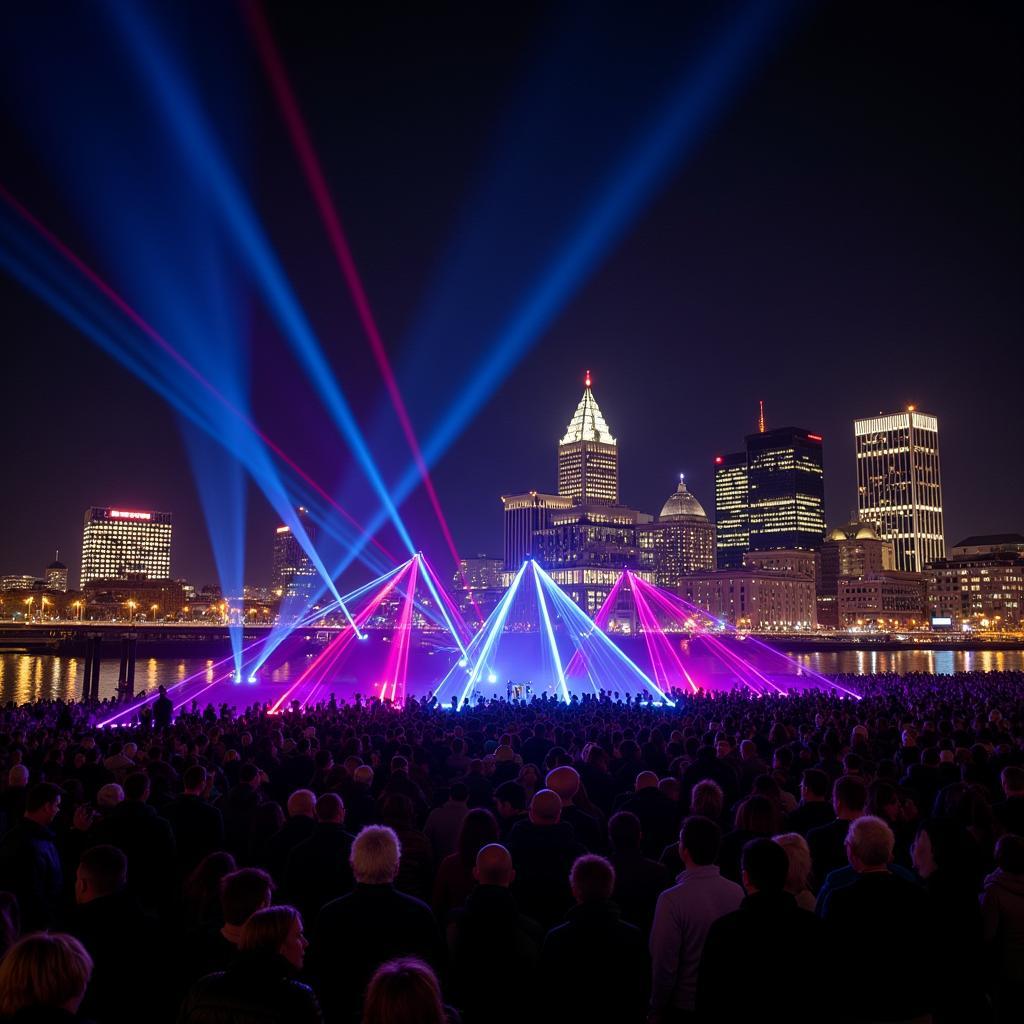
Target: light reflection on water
29,677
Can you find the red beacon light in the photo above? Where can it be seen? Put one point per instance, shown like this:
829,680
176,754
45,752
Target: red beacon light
586,379
719,460
814,437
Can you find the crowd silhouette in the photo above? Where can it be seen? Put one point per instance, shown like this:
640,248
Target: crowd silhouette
799,857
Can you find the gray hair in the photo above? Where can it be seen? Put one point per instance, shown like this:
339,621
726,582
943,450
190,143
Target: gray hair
871,841
376,852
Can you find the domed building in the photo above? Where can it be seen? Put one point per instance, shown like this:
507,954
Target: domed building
56,577
680,541
851,551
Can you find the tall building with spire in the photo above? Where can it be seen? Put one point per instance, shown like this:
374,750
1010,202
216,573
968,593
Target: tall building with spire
588,456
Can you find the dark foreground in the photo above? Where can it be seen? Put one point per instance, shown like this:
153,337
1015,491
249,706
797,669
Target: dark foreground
839,860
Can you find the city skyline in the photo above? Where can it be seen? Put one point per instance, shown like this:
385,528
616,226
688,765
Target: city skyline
795,255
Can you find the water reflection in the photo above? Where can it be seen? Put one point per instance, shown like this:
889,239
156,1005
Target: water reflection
28,677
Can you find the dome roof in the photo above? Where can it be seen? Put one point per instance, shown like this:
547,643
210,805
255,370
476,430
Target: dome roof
854,531
681,505
56,565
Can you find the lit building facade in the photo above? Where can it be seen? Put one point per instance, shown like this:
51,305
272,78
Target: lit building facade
13,581
983,591
588,456
56,577
135,598
851,551
682,540
754,599
899,485
883,600
293,574
525,514
117,543
785,490
586,547
479,584
732,521
793,562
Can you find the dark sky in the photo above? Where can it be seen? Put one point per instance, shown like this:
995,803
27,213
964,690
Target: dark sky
843,239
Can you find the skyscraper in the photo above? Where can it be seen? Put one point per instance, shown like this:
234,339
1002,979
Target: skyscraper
293,573
785,489
588,456
899,487
117,543
56,576
732,521
525,514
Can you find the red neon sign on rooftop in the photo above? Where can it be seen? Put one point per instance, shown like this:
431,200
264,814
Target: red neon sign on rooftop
814,437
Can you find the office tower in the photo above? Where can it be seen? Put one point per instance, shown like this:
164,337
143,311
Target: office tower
588,456
732,522
785,490
682,540
293,572
899,487
56,576
117,543
524,515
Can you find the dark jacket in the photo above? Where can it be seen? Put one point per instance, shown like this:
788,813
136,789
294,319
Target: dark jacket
489,941
828,848
128,955
659,818
198,829
318,870
257,989
543,855
279,846
354,935
147,841
750,951
638,883
809,815
594,967
885,925
30,868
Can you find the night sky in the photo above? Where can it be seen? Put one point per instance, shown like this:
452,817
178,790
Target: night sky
843,237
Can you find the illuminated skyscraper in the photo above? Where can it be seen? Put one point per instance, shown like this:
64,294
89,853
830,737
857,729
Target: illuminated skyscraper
293,572
899,487
525,514
732,522
588,456
56,577
785,489
117,543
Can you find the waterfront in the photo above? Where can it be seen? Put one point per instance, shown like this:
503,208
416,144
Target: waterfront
28,677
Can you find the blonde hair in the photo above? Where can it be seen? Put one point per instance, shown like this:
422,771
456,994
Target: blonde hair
48,969
799,853
267,930
375,855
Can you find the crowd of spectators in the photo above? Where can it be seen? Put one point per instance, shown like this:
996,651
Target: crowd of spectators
730,857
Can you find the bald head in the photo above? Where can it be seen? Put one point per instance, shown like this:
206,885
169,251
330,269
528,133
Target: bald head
646,780
565,781
545,807
302,804
494,866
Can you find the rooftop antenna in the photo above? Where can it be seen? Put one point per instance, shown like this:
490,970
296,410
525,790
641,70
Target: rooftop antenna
760,418
586,379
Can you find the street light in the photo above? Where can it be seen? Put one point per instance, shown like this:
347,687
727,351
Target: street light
77,605
132,605
154,608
